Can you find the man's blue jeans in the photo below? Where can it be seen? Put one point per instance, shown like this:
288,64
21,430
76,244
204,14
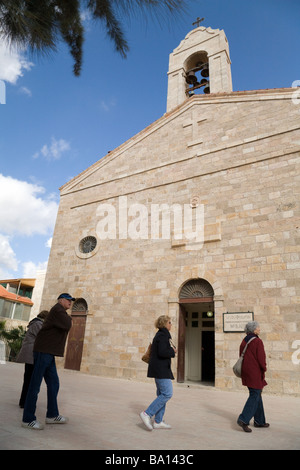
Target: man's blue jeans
253,408
164,391
44,367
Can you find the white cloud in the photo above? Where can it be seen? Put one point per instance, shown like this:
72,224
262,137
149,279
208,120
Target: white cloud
25,91
12,64
53,151
108,105
23,210
30,269
8,260
86,16
48,243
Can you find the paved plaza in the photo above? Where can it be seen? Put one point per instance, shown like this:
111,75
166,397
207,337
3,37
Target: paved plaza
104,414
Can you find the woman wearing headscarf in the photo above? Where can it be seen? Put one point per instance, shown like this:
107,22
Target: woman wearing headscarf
159,368
253,377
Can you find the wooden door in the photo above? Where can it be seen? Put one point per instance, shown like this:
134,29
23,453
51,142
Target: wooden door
75,341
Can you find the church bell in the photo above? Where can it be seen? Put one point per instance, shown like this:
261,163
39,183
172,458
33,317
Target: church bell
191,78
204,71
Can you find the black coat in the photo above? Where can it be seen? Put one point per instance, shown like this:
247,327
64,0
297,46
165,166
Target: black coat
161,353
52,337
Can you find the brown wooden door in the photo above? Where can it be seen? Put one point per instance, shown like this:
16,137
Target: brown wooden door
75,341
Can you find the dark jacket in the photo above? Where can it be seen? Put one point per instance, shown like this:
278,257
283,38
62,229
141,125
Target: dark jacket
254,363
52,337
161,353
26,352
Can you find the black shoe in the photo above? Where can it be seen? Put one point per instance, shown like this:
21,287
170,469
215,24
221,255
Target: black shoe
265,425
244,426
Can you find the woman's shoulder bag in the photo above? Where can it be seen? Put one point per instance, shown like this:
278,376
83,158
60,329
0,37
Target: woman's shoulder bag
237,368
146,356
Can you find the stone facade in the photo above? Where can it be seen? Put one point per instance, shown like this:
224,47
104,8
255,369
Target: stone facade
236,156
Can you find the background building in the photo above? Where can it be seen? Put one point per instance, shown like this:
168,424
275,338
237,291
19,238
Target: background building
20,299
15,300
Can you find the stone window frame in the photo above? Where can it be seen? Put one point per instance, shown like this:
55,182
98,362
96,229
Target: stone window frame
92,253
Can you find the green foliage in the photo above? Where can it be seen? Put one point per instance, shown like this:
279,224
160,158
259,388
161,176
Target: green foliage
2,328
13,338
38,25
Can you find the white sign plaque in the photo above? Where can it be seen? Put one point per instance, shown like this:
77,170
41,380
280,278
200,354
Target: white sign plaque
235,322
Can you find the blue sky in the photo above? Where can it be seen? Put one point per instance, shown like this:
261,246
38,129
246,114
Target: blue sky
54,125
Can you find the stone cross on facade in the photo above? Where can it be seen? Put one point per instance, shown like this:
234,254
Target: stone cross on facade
193,127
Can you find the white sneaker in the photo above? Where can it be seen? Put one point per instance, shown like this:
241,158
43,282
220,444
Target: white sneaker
161,425
33,425
146,420
57,420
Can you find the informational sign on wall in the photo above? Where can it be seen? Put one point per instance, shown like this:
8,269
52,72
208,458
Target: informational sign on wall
235,322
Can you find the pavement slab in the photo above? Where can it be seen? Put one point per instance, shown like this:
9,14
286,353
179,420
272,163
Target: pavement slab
104,415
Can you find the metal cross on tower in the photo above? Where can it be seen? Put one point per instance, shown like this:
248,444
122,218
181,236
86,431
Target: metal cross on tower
198,21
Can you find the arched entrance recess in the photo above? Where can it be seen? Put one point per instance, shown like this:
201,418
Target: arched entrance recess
196,339
76,335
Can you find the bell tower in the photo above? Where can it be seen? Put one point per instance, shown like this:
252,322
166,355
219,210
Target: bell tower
200,64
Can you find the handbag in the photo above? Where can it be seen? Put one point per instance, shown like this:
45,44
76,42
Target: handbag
146,356
237,368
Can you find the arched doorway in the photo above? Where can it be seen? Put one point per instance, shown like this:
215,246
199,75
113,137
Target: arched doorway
196,338
76,335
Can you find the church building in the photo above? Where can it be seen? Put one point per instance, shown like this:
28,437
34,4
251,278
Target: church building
196,217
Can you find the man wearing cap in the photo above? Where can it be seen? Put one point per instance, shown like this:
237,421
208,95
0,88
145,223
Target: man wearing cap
50,342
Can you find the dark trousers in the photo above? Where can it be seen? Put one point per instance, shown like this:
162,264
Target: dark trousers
26,381
253,408
44,367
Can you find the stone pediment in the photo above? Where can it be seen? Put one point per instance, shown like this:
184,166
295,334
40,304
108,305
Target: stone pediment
193,37
197,138
102,167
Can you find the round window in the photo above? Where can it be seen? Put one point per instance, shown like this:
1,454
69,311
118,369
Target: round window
87,244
